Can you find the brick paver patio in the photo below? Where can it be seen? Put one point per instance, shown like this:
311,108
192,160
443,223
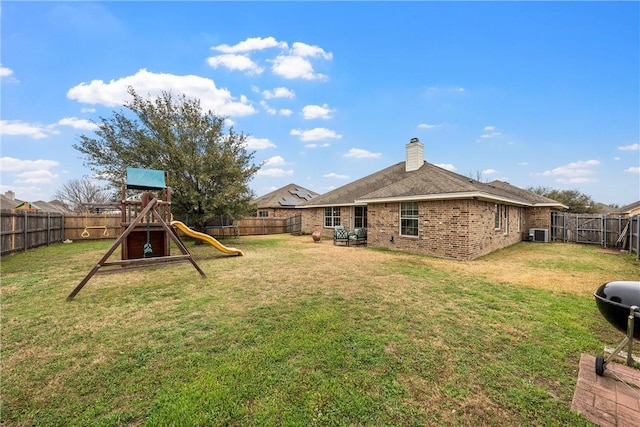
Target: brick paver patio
609,400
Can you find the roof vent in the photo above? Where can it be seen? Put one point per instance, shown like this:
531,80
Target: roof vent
415,155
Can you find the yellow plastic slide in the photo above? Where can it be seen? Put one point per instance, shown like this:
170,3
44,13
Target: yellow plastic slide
205,237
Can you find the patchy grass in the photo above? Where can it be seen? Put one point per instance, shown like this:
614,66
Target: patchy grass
297,333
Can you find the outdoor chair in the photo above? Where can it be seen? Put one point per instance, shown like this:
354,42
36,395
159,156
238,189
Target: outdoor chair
358,236
340,235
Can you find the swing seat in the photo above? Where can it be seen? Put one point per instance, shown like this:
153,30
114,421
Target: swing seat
148,250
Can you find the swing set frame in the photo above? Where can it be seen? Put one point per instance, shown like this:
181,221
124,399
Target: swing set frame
133,257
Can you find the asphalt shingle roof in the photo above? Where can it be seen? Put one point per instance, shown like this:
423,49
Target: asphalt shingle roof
288,196
428,182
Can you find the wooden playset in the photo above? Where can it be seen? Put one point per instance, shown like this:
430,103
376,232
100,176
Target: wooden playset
146,233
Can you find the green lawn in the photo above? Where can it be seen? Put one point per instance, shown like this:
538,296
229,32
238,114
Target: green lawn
301,334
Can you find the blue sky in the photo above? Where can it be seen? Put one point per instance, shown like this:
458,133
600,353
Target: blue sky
532,93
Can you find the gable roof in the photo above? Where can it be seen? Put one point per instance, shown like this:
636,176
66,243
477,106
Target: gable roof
288,196
429,182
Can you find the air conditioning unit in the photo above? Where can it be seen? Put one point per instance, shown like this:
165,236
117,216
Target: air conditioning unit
539,235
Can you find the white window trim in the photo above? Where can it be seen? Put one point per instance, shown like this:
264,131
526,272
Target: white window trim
416,219
497,214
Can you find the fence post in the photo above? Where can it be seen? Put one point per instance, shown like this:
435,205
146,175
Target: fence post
25,225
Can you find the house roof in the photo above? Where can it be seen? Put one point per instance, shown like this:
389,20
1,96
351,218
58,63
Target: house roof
57,206
53,206
630,208
6,203
288,196
429,182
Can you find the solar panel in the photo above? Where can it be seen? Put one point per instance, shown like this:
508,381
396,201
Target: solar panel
289,201
303,194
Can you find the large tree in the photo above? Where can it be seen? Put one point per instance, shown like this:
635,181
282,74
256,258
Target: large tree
208,169
576,201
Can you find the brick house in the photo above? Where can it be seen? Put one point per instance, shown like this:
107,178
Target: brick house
418,207
281,203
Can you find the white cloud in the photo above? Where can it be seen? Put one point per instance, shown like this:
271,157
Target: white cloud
251,44
10,164
36,177
359,153
579,172
489,172
315,134
268,108
258,143
5,72
275,161
317,112
325,145
308,51
576,180
633,169
285,112
279,92
632,147
334,175
19,128
523,163
235,63
146,83
290,63
490,132
574,169
297,63
428,126
87,110
275,172
77,123
295,67
447,166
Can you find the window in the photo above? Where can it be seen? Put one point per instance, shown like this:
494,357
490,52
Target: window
409,219
263,214
497,217
360,217
331,216
505,211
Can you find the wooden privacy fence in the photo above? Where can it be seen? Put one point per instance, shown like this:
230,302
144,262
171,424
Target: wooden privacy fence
613,231
24,230
253,226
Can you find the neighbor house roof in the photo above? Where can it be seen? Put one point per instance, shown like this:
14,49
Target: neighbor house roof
630,209
288,196
7,203
54,206
429,182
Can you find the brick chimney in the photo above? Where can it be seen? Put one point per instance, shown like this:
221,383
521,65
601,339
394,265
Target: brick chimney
415,155
10,195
